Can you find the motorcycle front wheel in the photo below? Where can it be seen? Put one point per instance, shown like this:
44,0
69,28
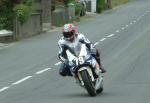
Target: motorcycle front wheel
88,83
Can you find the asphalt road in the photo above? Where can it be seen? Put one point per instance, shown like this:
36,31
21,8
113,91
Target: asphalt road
29,68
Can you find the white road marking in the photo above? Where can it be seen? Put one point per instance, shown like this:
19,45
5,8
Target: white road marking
96,43
127,25
58,63
103,39
110,35
22,80
131,23
134,21
117,31
122,28
42,71
4,88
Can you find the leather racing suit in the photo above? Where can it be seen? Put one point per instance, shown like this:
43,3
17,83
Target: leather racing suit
73,46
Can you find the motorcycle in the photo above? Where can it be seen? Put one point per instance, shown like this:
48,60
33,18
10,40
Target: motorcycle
81,67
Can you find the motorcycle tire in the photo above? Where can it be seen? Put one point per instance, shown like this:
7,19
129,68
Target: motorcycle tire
88,83
100,90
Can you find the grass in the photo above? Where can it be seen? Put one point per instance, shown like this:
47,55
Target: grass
118,2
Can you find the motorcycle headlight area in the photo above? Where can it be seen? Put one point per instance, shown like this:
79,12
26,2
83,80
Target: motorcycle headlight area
78,61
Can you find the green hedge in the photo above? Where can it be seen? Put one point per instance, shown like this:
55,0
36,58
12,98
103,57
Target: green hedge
10,9
100,5
6,16
23,12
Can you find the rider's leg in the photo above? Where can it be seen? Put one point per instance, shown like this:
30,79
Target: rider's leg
64,70
97,57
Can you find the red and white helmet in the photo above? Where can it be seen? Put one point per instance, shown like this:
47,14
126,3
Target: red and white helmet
68,31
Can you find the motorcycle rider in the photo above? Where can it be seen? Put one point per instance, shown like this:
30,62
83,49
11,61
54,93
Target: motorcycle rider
71,40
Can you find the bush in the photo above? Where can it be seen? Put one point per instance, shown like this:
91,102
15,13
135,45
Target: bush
11,8
66,2
100,5
23,12
6,16
78,8
27,2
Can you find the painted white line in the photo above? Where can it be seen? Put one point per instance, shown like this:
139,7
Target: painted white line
122,28
117,31
22,80
96,43
127,25
42,71
4,88
110,35
134,21
58,63
102,39
131,23
145,13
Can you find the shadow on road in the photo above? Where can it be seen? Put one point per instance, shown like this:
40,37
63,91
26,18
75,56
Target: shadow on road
82,95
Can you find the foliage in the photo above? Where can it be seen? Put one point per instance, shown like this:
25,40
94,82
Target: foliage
66,2
27,2
11,8
6,15
78,8
22,11
100,5
119,2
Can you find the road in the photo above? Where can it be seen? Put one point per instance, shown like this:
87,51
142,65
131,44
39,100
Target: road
29,68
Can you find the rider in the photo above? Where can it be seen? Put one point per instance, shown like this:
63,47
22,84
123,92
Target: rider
70,40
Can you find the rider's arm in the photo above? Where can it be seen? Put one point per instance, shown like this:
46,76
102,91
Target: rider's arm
85,40
61,54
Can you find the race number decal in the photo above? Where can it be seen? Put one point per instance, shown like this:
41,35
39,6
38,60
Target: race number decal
78,61
81,60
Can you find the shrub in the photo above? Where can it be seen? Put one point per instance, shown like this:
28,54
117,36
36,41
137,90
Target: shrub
6,16
66,2
100,5
77,9
23,12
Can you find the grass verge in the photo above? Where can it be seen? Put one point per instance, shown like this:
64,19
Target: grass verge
118,2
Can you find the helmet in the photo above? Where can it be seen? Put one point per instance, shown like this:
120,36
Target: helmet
69,32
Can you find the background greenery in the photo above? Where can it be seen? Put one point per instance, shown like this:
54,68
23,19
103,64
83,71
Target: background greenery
9,9
118,2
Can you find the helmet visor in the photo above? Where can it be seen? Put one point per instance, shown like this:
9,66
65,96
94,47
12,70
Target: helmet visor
68,34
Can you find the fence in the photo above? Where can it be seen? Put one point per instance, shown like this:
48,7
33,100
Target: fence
32,27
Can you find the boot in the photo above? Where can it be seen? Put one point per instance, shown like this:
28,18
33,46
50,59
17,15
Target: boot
99,61
103,70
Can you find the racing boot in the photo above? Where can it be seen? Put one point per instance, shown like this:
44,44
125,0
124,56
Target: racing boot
99,61
102,70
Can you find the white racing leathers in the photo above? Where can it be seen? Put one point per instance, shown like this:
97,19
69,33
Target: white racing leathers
73,46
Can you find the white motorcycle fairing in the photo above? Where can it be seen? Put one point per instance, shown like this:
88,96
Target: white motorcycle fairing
85,62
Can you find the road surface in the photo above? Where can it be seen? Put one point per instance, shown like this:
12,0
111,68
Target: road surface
29,68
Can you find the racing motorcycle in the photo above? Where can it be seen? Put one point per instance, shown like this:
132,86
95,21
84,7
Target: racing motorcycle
81,67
